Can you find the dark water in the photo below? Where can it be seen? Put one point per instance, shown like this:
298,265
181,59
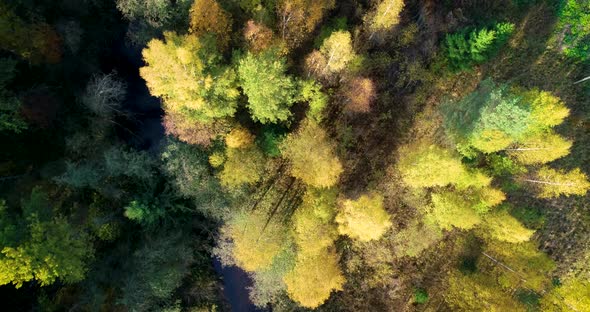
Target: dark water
235,287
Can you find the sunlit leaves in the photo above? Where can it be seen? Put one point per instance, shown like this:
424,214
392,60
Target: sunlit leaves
364,219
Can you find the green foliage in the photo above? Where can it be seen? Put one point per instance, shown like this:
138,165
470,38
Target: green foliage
242,166
144,213
48,248
333,25
502,166
10,119
462,210
270,140
430,166
157,269
574,27
188,170
415,238
269,89
420,296
185,71
313,222
572,294
468,48
311,92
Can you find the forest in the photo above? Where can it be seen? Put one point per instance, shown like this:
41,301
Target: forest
295,155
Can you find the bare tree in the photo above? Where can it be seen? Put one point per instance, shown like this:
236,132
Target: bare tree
104,95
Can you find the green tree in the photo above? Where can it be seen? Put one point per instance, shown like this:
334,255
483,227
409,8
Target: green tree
463,209
48,248
314,278
553,183
188,171
269,89
311,92
574,28
364,219
144,213
185,71
312,155
468,48
10,119
155,270
489,119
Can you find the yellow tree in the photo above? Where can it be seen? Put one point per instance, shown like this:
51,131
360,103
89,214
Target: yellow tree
312,157
314,278
313,222
463,209
430,166
185,72
504,227
239,137
257,239
207,17
364,219
298,18
384,16
540,148
242,166
553,183
572,295
478,293
547,110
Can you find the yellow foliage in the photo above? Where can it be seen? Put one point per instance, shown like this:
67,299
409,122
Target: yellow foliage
176,72
239,138
386,15
256,242
314,278
206,16
312,157
242,166
313,224
364,219
502,226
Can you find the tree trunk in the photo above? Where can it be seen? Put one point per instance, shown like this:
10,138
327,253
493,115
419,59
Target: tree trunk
549,183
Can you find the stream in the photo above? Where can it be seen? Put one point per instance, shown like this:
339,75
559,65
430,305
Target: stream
143,129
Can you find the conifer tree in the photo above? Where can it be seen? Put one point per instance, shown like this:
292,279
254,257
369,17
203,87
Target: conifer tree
466,49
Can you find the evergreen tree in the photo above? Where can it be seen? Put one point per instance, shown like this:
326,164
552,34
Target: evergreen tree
468,48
